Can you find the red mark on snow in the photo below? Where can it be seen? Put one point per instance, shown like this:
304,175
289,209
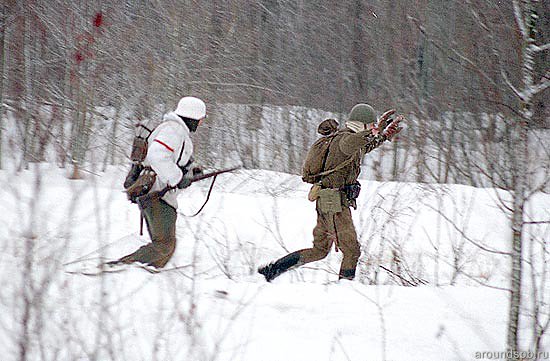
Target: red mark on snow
78,57
98,20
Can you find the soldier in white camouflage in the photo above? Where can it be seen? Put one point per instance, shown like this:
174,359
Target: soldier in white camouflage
168,158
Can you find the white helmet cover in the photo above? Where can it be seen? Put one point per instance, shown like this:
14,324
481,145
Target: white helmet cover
191,107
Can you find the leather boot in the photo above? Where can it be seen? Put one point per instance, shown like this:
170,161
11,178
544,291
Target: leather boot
347,274
274,269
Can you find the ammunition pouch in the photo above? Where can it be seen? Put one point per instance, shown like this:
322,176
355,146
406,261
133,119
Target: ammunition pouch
133,175
143,184
351,192
329,201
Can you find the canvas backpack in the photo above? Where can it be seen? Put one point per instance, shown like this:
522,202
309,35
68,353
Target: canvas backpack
314,165
316,158
138,154
140,146
313,169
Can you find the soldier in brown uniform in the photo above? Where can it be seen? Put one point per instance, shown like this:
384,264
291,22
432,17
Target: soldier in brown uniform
337,188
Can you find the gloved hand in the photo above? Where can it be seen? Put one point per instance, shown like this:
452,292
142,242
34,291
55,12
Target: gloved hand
184,182
385,119
382,123
393,129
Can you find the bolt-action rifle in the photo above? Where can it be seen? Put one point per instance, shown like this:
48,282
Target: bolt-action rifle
146,200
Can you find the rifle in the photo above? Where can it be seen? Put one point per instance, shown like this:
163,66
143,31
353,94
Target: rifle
146,200
213,174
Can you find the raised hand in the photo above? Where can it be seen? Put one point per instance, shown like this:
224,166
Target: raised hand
394,128
385,119
382,123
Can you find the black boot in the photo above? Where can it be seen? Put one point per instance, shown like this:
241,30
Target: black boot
274,269
347,274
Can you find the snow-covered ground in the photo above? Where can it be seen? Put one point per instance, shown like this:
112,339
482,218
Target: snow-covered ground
215,307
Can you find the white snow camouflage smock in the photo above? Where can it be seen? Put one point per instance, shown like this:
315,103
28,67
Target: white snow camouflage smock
169,142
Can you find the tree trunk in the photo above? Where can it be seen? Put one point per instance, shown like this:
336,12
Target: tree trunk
359,52
110,153
526,19
2,62
517,249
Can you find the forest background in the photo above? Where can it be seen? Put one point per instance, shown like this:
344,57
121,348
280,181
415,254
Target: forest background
77,75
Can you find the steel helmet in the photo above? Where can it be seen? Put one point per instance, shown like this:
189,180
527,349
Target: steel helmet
191,107
363,113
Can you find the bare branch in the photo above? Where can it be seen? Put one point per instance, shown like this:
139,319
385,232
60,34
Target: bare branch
518,93
462,233
537,88
539,48
518,14
237,85
438,45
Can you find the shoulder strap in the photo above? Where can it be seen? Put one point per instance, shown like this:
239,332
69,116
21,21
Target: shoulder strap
339,166
326,155
138,125
181,153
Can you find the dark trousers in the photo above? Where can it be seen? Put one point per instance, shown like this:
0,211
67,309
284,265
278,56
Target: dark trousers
161,225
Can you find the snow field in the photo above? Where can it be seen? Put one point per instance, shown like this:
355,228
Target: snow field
217,308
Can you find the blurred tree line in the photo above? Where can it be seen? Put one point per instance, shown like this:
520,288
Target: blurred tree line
445,64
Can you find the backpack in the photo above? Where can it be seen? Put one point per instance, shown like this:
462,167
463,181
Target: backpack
313,170
140,146
138,154
316,157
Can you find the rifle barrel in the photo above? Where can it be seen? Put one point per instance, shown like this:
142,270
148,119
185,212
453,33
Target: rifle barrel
163,191
208,175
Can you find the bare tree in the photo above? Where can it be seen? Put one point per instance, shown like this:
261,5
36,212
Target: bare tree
525,84
3,25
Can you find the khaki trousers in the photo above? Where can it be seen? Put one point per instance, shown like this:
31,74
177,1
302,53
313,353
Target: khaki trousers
161,225
335,229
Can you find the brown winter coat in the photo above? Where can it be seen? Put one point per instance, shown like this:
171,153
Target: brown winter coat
347,144
333,227
338,228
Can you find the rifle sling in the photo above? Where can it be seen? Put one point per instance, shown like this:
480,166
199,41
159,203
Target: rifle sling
205,201
338,167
